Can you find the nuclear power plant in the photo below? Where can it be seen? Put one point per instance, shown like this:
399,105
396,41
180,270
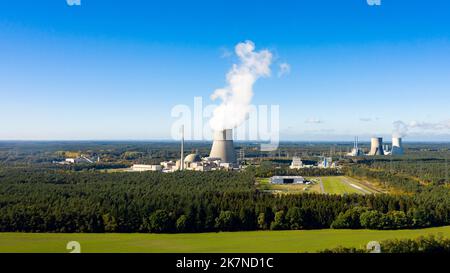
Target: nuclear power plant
376,146
223,155
397,147
223,148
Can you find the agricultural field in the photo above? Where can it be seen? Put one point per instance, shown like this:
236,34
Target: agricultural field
223,242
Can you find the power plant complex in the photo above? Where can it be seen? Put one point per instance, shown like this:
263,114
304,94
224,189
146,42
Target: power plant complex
223,155
377,148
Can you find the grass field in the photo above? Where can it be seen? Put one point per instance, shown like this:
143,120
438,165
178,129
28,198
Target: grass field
253,241
331,185
344,185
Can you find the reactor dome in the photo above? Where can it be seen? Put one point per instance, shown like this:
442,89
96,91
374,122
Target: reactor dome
192,158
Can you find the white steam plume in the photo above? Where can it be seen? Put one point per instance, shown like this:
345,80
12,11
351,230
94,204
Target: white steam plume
401,128
237,95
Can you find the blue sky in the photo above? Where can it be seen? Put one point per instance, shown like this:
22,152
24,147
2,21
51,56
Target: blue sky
115,69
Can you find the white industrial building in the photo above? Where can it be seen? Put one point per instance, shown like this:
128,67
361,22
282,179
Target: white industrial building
297,163
327,162
356,151
287,180
145,168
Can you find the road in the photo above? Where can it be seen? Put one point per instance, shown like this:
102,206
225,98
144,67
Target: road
345,180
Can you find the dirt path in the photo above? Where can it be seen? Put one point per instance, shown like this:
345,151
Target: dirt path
322,189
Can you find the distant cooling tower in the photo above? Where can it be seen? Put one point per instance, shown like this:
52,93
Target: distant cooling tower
223,146
397,147
376,146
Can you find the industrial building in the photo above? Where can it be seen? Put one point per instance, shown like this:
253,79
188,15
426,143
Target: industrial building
297,163
287,180
222,156
356,151
145,168
326,162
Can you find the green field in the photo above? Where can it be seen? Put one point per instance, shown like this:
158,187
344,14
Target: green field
344,185
330,184
253,241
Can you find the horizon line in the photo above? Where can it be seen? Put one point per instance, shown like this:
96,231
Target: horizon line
199,141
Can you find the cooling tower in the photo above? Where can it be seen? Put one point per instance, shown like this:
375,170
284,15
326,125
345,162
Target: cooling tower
376,146
223,146
397,147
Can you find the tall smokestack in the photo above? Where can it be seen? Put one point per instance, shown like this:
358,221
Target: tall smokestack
376,146
397,147
223,147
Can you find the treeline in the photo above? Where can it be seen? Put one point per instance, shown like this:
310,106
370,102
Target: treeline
64,201
387,179
428,244
40,153
363,217
431,169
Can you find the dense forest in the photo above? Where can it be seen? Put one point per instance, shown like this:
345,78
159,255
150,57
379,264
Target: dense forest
38,196
43,200
435,169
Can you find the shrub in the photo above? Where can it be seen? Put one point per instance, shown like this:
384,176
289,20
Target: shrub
349,219
158,222
295,218
227,221
372,219
279,222
182,223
